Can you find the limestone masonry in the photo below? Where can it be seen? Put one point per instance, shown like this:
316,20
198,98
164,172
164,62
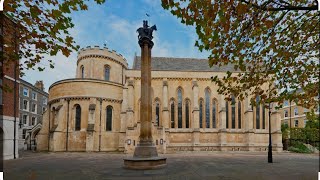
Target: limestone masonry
99,110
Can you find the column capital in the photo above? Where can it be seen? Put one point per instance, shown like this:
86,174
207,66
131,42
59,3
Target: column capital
145,40
165,83
194,83
131,82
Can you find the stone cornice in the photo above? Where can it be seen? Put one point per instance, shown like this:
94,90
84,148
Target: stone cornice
85,80
102,57
84,98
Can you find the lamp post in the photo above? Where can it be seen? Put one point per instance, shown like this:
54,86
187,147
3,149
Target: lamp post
270,143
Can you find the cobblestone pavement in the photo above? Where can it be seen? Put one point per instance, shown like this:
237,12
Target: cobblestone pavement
186,165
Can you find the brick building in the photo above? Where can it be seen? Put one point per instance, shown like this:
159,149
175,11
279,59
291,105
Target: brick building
9,67
33,103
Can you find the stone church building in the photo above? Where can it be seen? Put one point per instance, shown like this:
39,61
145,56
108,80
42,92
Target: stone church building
99,110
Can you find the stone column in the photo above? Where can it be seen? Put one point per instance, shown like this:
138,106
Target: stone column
145,154
276,134
222,123
124,106
130,112
165,104
195,113
248,124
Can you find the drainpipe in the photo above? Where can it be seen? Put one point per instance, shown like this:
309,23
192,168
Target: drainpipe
49,128
100,125
290,112
67,125
15,96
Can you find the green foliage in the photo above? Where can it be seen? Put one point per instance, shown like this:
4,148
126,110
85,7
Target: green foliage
313,120
285,131
271,41
304,134
43,28
299,147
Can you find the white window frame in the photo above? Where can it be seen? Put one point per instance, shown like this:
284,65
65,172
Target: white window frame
26,122
285,113
27,91
27,108
35,108
296,124
35,97
35,121
44,101
296,110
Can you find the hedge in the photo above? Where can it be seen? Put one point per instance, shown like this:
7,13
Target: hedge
310,134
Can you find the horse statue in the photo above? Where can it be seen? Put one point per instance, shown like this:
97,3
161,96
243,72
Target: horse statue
146,31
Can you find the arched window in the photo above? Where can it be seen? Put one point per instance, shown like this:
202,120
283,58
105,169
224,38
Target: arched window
187,113
233,112
200,113
172,114
214,111
258,112
239,115
82,71
78,118
107,73
157,113
109,118
227,114
179,108
263,117
207,110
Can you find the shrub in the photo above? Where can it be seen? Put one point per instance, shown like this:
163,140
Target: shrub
299,147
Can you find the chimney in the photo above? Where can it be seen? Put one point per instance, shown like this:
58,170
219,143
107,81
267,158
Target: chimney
39,85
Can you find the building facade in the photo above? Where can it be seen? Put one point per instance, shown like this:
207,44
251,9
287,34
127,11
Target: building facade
33,103
99,110
9,91
294,115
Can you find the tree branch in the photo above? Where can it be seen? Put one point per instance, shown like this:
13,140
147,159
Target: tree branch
284,8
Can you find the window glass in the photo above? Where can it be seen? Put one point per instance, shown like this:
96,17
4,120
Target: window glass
24,117
109,118
296,111
200,113
157,113
33,121
34,95
107,74
227,114
78,118
214,111
233,112
207,94
286,114
44,101
172,114
33,108
239,115
25,105
179,108
25,91
296,123
258,112
285,103
187,114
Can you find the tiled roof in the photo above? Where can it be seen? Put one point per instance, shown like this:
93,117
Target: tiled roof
180,64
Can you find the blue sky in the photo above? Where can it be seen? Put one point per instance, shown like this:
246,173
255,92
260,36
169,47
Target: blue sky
114,24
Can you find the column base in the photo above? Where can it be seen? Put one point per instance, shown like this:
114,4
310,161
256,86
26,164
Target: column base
145,163
145,157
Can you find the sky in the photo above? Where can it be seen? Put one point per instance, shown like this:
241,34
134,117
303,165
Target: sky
115,23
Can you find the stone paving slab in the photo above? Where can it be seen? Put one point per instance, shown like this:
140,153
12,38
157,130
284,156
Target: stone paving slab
186,165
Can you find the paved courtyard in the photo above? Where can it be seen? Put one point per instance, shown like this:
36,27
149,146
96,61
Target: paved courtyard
187,165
